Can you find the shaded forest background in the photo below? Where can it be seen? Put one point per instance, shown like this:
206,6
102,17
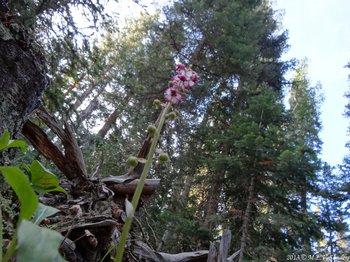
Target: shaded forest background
244,149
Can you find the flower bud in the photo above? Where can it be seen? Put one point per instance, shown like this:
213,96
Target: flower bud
163,157
171,115
151,129
132,161
156,103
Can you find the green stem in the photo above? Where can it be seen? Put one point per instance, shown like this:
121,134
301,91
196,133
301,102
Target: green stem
11,249
140,185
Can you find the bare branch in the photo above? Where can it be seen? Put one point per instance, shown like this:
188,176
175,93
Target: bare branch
71,162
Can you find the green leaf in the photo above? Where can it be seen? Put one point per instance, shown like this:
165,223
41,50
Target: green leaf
6,143
37,244
42,177
43,212
4,140
42,191
20,184
43,181
18,143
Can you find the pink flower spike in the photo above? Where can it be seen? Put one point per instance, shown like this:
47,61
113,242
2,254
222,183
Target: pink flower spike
173,96
176,81
182,77
191,75
180,67
188,84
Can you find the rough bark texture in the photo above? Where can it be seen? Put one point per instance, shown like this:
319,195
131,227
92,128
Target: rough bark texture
213,199
220,253
109,122
246,219
22,74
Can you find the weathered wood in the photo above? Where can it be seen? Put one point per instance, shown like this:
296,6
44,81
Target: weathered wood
71,162
91,240
38,138
73,152
224,246
212,256
233,256
130,187
221,254
51,122
144,253
196,256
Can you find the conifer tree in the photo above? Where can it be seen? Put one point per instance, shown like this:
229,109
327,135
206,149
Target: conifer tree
239,57
331,199
304,131
239,159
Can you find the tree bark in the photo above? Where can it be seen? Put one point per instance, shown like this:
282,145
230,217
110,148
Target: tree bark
111,120
84,95
305,238
246,219
108,124
88,110
23,75
212,204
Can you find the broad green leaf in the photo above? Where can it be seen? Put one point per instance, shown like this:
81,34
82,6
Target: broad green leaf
18,143
20,184
6,143
4,140
37,244
43,212
43,181
42,177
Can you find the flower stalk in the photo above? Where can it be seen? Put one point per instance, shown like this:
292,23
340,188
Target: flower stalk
140,185
176,92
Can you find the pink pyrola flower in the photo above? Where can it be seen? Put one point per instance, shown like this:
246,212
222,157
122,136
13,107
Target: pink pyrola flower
190,79
192,75
173,96
176,81
184,79
180,67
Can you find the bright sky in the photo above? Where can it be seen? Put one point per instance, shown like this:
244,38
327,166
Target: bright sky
319,30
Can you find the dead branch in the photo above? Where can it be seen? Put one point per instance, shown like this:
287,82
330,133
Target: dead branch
71,162
43,144
129,188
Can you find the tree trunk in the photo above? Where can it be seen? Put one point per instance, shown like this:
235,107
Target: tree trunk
109,122
88,110
214,196
246,219
212,204
84,95
305,238
23,74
